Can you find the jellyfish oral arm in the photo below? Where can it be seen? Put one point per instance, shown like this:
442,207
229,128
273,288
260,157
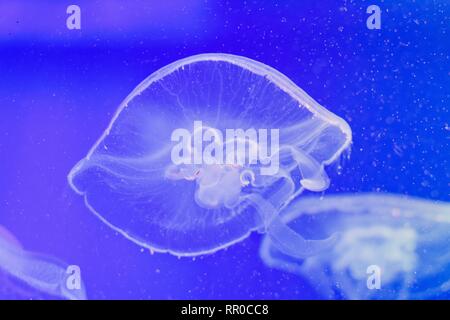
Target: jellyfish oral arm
286,239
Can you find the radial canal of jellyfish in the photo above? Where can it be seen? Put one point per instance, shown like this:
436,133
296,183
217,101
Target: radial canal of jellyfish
44,274
206,150
405,239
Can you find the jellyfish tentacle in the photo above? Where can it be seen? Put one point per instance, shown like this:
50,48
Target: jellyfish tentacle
284,191
314,177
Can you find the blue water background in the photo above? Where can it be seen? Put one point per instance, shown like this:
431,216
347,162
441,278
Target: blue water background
59,89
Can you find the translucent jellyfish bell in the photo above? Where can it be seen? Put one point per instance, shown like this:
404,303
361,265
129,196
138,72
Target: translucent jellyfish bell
403,240
25,274
206,150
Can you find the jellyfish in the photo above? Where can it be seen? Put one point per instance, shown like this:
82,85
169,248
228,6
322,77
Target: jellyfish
207,150
401,240
25,275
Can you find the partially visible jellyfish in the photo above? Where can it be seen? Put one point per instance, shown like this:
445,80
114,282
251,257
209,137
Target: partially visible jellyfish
402,240
27,275
205,151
